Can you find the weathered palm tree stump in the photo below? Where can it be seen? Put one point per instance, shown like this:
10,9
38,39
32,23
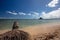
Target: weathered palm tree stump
15,34
15,25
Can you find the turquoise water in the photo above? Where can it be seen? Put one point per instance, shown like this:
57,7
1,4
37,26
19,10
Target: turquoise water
7,23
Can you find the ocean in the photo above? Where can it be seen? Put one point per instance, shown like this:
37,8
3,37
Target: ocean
7,23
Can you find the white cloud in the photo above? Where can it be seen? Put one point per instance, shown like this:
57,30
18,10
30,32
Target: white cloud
58,8
29,14
35,15
32,14
52,14
21,13
14,13
53,3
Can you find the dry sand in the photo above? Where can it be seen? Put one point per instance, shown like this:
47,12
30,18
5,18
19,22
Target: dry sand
50,31
44,28
37,30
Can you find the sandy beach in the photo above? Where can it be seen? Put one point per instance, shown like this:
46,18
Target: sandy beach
44,28
38,30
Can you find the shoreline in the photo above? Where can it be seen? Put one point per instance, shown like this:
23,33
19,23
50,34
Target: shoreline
40,32
36,29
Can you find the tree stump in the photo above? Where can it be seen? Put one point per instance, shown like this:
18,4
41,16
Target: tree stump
15,34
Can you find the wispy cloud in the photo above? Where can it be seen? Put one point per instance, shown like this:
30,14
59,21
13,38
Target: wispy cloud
32,14
14,13
35,15
21,13
53,3
52,14
29,14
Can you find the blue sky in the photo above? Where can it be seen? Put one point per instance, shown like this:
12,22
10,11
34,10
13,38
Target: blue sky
29,9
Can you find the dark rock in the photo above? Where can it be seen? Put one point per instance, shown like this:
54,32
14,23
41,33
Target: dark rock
40,18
